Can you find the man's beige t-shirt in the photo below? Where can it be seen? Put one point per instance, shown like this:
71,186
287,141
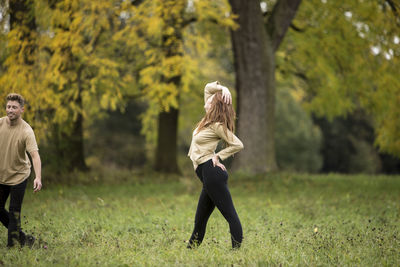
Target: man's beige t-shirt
15,141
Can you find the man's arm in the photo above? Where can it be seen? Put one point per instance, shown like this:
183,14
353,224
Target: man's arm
37,166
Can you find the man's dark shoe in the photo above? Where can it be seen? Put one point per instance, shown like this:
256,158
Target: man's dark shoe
29,241
26,240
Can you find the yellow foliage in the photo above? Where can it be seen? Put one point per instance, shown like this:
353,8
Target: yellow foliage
74,69
67,60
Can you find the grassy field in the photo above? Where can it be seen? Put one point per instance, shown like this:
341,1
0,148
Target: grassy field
288,219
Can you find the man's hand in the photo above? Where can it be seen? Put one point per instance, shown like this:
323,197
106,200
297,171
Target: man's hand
37,184
37,166
216,162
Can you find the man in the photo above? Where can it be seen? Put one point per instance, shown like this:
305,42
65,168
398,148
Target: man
16,138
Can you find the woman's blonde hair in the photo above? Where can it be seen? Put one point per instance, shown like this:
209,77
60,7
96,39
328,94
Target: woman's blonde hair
219,112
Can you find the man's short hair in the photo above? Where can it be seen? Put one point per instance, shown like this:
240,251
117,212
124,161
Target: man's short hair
16,97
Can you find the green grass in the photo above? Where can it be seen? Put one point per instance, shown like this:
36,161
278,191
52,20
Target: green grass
288,219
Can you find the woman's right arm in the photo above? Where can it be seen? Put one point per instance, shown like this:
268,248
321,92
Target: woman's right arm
211,88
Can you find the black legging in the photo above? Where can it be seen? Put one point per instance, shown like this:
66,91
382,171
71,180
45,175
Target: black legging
215,193
11,219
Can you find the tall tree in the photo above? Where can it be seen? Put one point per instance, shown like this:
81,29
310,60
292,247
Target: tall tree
255,44
73,75
158,31
80,69
172,13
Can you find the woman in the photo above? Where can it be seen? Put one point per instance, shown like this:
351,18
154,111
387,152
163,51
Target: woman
217,124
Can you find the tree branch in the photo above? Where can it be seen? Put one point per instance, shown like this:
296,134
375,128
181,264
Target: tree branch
295,28
280,20
301,76
188,22
265,14
194,19
136,2
48,50
392,6
134,96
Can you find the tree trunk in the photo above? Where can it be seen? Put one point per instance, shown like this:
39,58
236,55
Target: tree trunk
76,138
77,146
166,158
254,64
254,47
72,147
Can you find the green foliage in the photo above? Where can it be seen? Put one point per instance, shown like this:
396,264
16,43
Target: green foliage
115,140
297,139
348,56
348,145
287,219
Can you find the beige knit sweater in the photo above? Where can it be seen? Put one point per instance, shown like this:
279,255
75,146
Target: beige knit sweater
205,142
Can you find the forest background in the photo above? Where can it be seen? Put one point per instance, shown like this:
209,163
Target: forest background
117,84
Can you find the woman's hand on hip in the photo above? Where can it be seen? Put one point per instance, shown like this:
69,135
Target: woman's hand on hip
216,162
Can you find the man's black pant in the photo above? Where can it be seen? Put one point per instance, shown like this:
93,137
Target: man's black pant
11,219
215,193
